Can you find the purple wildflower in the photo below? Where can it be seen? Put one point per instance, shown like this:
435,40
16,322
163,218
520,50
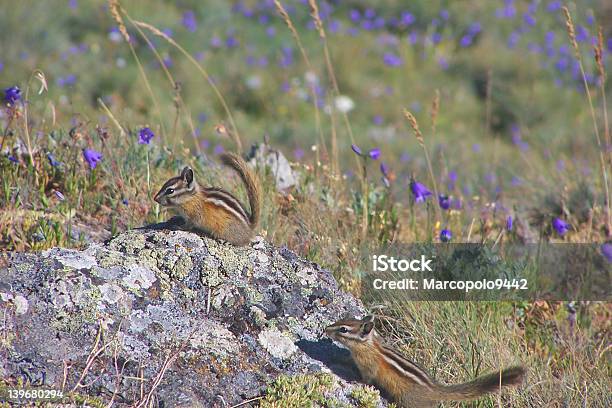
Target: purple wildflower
189,21
606,251
286,57
384,169
379,22
443,63
474,28
145,135
553,6
466,40
407,18
590,19
413,37
13,159
560,226
508,11
354,15
582,34
419,191
334,26
92,157
216,42
298,153
392,60
218,149
529,19
367,25
509,223
52,161
356,149
444,201
374,154
59,195
513,39
446,235
231,42
12,95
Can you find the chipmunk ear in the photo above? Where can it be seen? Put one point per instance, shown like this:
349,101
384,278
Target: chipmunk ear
367,325
187,175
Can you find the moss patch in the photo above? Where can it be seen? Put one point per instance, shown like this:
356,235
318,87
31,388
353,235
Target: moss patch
300,391
365,396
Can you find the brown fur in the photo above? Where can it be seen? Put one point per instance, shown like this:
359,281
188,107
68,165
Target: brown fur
212,211
368,353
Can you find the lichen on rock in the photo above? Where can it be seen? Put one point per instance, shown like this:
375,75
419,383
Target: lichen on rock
217,322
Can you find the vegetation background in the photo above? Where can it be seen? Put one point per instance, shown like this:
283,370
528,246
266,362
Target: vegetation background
497,106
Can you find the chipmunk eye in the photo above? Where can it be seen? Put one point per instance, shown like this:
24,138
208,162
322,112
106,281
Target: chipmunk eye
343,330
169,191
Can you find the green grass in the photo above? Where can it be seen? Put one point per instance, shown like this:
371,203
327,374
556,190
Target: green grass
486,90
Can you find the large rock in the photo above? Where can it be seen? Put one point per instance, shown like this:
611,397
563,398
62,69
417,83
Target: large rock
171,317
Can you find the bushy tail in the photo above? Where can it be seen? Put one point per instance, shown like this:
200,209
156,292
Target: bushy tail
485,384
250,181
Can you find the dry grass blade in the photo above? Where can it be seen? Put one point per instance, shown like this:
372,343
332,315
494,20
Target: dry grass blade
315,98
435,109
571,32
415,127
115,9
419,136
178,99
314,13
599,61
159,33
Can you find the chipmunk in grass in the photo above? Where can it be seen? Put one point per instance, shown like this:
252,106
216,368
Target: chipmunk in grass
215,211
408,384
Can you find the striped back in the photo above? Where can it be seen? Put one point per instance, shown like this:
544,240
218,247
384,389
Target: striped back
227,201
360,336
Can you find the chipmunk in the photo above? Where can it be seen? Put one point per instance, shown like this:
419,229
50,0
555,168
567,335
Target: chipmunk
408,384
215,211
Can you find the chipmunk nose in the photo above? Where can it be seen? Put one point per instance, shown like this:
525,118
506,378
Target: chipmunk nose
156,198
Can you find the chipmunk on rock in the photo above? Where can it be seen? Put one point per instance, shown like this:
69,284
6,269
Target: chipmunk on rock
408,384
211,210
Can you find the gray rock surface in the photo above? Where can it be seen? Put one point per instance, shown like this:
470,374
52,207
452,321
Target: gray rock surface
170,318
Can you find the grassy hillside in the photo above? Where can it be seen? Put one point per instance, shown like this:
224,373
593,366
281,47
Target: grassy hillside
488,103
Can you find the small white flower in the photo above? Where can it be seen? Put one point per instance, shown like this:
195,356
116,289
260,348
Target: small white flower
344,104
114,36
311,78
253,82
